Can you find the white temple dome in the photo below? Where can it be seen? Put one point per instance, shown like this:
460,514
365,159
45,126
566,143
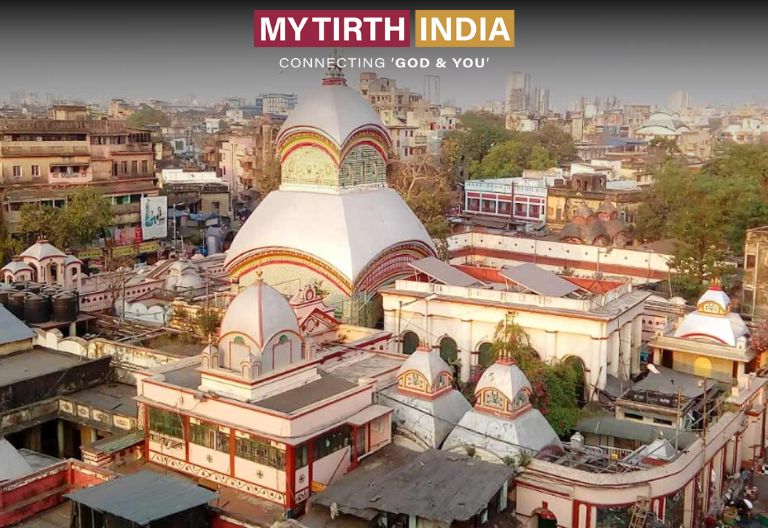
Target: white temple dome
259,312
356,227
336,111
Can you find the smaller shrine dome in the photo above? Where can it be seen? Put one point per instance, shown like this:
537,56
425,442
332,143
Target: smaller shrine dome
713,320
42,249
259,312
183,275
505,377
583,211
16,265
717,297
606,207
431,372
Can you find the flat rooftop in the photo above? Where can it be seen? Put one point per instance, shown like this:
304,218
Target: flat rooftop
315,391
33,363
115,398
368,365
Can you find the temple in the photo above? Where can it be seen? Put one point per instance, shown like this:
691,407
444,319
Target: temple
333,222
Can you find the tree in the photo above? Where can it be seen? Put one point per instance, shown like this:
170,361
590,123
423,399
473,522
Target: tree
9,246
708,211
553,385
81,220
478,133
270,178
145,116
425,187
511,157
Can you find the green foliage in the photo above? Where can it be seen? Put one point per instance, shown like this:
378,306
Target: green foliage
82,220
554,385
146,116
9,246
207,320
483,148
707,212
479,132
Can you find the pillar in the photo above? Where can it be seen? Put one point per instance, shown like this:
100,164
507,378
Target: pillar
73,329
551,352
614,345
637,341
625,349
60,438
466,344
598,363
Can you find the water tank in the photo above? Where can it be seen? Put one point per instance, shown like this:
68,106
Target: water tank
577,442
34,287
65,307
37,309
16,304
20,285
4,293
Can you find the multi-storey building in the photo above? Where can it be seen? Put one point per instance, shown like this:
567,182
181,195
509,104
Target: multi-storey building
44,160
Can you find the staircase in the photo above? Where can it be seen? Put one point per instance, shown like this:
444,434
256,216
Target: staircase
640,512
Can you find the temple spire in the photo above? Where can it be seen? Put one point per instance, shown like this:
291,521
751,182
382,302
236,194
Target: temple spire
334,74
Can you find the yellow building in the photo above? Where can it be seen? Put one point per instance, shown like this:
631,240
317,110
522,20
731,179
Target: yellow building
43,160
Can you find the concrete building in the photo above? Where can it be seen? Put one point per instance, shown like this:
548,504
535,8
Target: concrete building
43,160
517,92
754,294
278,103
602,331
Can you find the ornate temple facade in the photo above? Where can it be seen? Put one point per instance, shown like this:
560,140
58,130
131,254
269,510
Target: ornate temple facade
333,222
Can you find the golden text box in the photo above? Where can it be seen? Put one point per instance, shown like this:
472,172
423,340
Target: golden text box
485,28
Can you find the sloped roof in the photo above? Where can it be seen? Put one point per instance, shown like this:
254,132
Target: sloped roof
14,465
42,249
430,485
444,273
12,329
143,497
538,280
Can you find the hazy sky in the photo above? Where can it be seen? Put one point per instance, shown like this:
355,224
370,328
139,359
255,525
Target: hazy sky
639,52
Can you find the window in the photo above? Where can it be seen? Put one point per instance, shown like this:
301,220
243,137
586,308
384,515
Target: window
144,167
165,422
208,435
260,451
17,171
473,204
35,171
750,262
124,167
301,456
134,167
331,442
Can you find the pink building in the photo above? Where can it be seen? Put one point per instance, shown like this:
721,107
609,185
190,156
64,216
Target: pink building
262,411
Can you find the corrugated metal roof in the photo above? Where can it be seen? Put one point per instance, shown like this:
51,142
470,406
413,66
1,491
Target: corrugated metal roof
143,497
434,485
445,273
12,329
538,280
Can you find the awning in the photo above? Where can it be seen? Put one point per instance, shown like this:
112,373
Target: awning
368,414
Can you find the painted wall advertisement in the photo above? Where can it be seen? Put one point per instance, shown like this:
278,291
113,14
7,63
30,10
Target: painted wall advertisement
154,217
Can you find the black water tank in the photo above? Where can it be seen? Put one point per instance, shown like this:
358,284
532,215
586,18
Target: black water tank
65,307
16,304
4,293
21,285
34,287
37,309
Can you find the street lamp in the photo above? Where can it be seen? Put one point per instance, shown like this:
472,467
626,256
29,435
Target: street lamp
426,299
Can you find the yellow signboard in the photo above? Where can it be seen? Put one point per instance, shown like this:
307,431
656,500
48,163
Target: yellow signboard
470,28
93,253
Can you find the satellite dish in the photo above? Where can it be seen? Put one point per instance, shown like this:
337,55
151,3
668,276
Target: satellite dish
652,368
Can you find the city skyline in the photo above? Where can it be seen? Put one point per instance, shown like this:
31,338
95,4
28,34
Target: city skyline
174,53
